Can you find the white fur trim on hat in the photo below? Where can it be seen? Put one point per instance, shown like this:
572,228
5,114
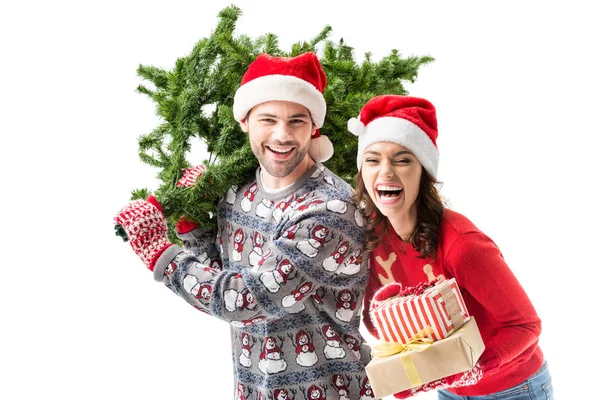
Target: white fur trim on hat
321,148
402,132
282,88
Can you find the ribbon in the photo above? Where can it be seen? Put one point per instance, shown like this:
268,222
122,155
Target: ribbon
452,307
418,342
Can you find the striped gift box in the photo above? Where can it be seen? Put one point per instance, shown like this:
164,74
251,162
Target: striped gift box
441,307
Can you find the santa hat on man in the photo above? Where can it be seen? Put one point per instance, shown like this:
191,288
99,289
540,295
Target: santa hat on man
407,121
299,80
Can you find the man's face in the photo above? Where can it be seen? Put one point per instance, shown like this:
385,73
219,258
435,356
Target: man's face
280,133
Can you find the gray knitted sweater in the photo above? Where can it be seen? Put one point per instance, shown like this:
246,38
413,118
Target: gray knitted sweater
286,270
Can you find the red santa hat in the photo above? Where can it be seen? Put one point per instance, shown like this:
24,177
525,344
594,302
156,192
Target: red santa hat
408,121
299,80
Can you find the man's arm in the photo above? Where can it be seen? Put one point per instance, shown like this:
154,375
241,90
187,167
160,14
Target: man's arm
326,251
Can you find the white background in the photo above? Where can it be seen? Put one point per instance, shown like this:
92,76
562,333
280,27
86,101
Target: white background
515,85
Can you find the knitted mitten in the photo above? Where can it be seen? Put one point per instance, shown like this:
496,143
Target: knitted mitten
466,378
395,289
188,179
385,292
146,229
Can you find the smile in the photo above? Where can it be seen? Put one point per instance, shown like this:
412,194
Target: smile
280,149
389,192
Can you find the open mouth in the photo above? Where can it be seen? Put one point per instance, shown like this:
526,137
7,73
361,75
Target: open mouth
282,150
387,192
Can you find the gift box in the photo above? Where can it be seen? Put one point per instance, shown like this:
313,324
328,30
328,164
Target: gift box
429,361
440,307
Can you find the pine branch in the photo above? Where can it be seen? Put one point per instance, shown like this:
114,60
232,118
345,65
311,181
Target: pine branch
195,100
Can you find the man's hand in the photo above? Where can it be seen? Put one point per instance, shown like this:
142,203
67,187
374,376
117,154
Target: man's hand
191,175
146,228
188,179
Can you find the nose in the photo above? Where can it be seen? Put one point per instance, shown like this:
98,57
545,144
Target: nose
385,170
281,132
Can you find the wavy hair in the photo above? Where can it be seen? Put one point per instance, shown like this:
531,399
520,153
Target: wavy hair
430,208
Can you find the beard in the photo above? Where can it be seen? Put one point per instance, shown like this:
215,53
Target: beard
280,169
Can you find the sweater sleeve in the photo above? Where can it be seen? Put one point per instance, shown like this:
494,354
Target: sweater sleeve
289,273
200,243
481,271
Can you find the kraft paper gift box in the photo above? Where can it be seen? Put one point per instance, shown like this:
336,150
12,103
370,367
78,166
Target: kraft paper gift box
440,307
457,353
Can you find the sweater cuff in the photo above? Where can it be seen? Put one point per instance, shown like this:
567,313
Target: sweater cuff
192,235
489,362
164,260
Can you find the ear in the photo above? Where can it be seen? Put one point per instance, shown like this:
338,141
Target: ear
244,125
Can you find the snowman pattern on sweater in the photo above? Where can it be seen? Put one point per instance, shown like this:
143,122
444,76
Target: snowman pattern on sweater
290,282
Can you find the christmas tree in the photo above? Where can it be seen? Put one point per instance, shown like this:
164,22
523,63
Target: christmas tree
195,99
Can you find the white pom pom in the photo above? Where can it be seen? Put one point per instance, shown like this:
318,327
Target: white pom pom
321,149
356,127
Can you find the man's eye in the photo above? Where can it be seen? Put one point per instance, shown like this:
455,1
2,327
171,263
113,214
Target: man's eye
296,121
267,120
371,160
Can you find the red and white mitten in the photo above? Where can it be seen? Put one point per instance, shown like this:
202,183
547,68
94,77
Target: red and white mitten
487,364
146,229
439,384
405,394
188,179
489,361
466,378
191,175
385,292
395,289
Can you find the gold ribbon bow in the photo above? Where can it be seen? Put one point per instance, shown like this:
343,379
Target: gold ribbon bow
418,342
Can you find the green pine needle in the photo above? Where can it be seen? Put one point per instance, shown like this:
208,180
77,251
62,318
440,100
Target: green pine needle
195,100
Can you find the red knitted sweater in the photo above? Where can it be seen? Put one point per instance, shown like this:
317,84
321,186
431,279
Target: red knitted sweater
508,322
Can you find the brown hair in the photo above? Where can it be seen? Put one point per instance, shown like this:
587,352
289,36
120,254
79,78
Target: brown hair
429,216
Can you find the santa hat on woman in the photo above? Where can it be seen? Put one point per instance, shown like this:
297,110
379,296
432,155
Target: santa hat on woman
407,121
299,80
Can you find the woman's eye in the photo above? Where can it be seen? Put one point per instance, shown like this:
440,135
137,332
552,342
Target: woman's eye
402,161
371,160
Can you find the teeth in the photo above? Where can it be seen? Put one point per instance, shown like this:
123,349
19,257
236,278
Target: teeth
385,188
280,149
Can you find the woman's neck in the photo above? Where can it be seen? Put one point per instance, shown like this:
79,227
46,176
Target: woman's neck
404,224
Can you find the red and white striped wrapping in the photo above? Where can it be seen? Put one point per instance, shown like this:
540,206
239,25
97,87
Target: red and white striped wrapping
441,307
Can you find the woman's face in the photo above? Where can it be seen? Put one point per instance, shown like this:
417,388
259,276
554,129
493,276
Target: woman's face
392,176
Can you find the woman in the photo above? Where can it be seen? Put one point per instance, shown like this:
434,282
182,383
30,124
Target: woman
414,239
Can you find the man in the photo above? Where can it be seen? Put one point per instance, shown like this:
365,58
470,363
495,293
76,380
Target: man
277,241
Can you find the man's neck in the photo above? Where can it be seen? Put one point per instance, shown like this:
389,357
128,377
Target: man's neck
275,183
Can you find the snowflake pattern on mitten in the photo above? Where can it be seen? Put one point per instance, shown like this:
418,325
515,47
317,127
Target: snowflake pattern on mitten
467,378
146,229
188,179
191,175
